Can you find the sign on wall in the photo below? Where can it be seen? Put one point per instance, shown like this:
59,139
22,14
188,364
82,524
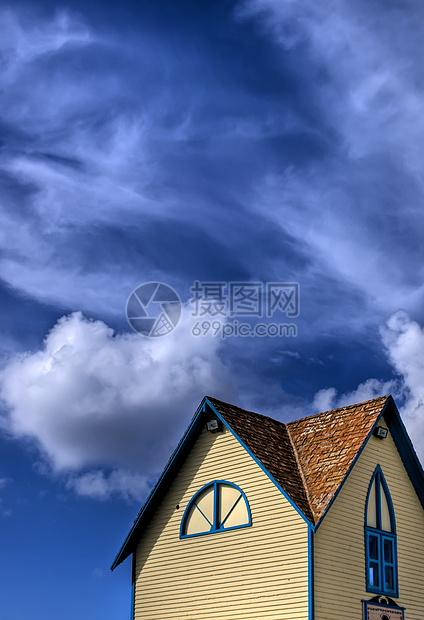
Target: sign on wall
376,611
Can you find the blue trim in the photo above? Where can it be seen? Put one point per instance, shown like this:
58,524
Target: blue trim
132,615
380,563
222,530
311,576
291,502
216,526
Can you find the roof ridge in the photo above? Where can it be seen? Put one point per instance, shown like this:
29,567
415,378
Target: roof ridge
300,468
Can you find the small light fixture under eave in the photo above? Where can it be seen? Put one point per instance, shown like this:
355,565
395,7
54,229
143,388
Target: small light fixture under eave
381,432
213,426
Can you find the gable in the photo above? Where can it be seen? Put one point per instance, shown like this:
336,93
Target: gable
339,541
289,485
225,563
308,460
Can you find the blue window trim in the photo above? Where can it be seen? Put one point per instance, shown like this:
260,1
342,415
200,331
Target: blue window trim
381,536
215,527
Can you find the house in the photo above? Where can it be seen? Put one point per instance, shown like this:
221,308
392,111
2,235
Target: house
321,518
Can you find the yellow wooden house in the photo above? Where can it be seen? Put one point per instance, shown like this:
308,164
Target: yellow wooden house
253,519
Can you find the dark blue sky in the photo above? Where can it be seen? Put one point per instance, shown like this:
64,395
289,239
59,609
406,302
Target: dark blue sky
253,141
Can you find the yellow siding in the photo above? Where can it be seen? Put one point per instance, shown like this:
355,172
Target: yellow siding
258,572
339,541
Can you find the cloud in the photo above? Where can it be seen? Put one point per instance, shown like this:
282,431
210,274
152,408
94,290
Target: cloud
129,145
403,339
77,157
25,39
404,342
365,195
99,485
91,398
103,141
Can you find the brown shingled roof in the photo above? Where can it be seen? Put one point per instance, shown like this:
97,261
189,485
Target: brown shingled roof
270,442
308,458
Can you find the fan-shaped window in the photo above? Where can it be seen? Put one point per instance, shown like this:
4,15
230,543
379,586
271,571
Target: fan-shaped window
216,507
380,538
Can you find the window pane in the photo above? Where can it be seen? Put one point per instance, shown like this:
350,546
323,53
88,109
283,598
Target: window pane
196,522
228,496
200,516
373,574
205,503
388,550
371,509
389,580
386,524
373,547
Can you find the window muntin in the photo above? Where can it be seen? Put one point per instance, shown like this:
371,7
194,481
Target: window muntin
216,507
380,538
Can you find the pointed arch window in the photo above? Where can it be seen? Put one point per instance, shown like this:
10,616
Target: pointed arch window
380,538
218,506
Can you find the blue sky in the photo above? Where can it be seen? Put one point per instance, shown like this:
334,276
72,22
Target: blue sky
251,141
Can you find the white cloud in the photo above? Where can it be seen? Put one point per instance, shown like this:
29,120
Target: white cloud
328,398
98,485
403,339
324,399
92,398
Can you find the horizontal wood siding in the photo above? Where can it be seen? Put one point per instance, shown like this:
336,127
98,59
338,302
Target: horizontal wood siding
258,572
339,542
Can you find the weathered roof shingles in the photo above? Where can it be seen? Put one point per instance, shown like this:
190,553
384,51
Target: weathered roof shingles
308,458
269,442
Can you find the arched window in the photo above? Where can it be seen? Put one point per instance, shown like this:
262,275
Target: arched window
380,538
216,507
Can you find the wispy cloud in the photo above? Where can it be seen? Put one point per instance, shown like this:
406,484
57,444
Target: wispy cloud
364,197
25,39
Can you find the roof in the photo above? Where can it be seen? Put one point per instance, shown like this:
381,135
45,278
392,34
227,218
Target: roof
269,441
327,445
308,459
